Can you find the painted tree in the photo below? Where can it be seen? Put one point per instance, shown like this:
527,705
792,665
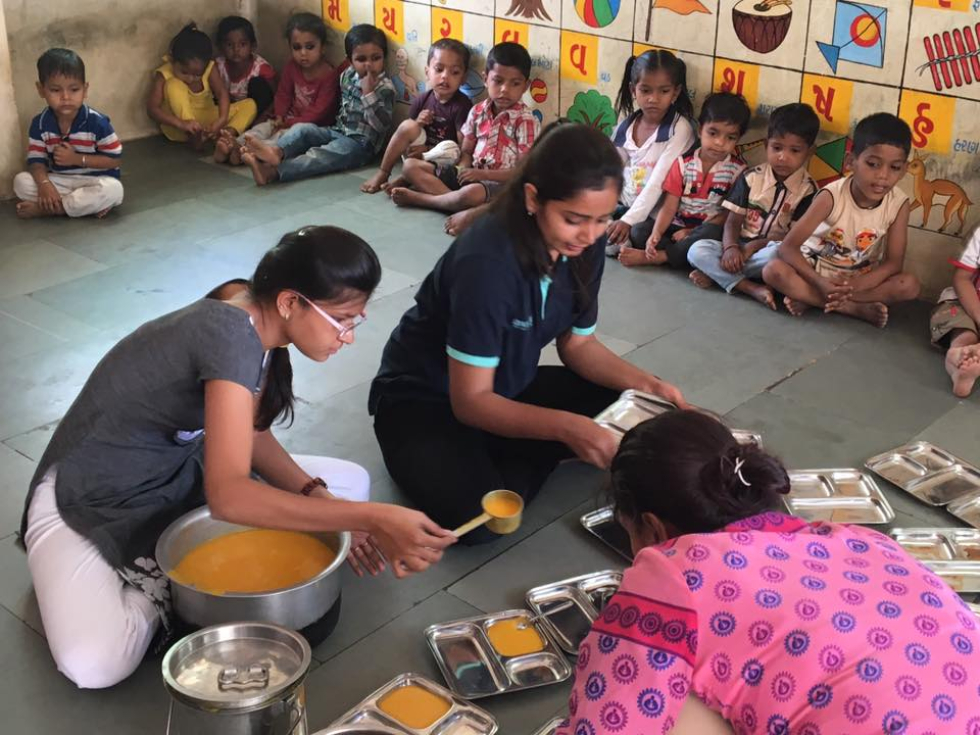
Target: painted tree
529,9
593,109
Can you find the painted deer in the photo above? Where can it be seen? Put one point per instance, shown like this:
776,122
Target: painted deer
925,190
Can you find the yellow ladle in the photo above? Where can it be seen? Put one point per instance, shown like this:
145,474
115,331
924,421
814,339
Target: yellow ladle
502,512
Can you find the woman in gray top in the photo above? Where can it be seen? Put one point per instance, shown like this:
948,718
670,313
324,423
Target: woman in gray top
128,458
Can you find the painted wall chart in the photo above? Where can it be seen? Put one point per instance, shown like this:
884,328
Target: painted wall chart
846,58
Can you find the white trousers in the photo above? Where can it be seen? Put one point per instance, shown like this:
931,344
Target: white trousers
263,131
98,627
80,195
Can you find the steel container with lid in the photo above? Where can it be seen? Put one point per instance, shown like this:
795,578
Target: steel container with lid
238,679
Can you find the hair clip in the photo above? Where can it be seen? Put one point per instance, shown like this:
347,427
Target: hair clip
739,463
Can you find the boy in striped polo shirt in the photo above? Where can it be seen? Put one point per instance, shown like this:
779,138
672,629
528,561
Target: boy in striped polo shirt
73,152
696,185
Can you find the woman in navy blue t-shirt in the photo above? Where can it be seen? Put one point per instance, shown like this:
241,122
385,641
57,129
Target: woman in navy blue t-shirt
460,404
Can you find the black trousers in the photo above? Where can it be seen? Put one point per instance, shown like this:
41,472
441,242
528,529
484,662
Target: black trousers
676,251
260,90
446,467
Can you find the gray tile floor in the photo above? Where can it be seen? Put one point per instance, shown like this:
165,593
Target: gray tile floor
823,391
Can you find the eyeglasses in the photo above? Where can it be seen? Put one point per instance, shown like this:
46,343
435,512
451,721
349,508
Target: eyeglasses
342,329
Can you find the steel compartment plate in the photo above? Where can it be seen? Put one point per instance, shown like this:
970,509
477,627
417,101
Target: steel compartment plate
463,717
837,496
588,594
473,668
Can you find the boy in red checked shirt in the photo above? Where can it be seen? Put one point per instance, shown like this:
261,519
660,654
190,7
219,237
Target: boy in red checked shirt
498,133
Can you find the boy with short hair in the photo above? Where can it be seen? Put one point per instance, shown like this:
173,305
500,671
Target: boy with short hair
955,322
762,205
433,130
73,152
846,253
497,134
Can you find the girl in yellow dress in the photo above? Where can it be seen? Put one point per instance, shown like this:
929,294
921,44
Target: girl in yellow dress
189,98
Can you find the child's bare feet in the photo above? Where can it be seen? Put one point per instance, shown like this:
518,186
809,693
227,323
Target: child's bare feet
235,156
874,313
398,183
223,148
405,197
794,307
29,210
456,223
262,172
376,183
963,366
102,213
758,291
631,257
270,154
699,279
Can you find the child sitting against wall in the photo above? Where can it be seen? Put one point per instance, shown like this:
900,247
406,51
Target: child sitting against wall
435,119
762,205
185,87
650,139
695,186
365,118
846,253
955,321
497,134
73,152
246,74
308,92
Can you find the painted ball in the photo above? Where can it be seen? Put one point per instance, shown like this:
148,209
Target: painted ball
539,90
597,13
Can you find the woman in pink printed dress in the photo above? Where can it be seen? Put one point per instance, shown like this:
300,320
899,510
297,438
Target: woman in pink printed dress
734,616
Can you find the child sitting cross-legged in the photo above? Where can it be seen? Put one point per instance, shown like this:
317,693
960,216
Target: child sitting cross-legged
367,97
695,186
955,321
72,151
762,205
497,134
846,253
433,130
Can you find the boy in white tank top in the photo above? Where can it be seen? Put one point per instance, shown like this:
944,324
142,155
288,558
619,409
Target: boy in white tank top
846,253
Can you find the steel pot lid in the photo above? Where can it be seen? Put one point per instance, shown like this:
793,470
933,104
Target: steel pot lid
237,666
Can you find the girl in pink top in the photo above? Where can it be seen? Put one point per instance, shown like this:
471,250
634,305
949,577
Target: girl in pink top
309,90
740,617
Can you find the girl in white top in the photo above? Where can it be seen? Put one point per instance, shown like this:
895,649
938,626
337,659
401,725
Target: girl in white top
653,136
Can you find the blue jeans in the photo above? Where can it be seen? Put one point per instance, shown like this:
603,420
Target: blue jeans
705,255
309,150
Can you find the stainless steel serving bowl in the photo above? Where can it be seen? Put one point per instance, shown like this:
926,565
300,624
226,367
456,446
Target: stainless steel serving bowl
292,607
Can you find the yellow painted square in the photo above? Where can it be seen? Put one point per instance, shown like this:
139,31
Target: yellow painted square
961,6
579,57
446,24
389,16
830,98
507,31
931,118
639,48
734,76
336,14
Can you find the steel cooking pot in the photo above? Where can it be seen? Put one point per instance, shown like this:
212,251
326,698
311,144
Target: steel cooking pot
292,607
237,679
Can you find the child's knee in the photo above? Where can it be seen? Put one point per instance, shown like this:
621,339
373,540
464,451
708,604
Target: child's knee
907,286
701,252
24,186
112,190
409,128
776,272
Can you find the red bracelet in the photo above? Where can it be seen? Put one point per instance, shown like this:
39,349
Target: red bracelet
313,485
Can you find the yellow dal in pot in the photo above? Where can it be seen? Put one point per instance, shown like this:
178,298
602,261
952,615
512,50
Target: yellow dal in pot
253,561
